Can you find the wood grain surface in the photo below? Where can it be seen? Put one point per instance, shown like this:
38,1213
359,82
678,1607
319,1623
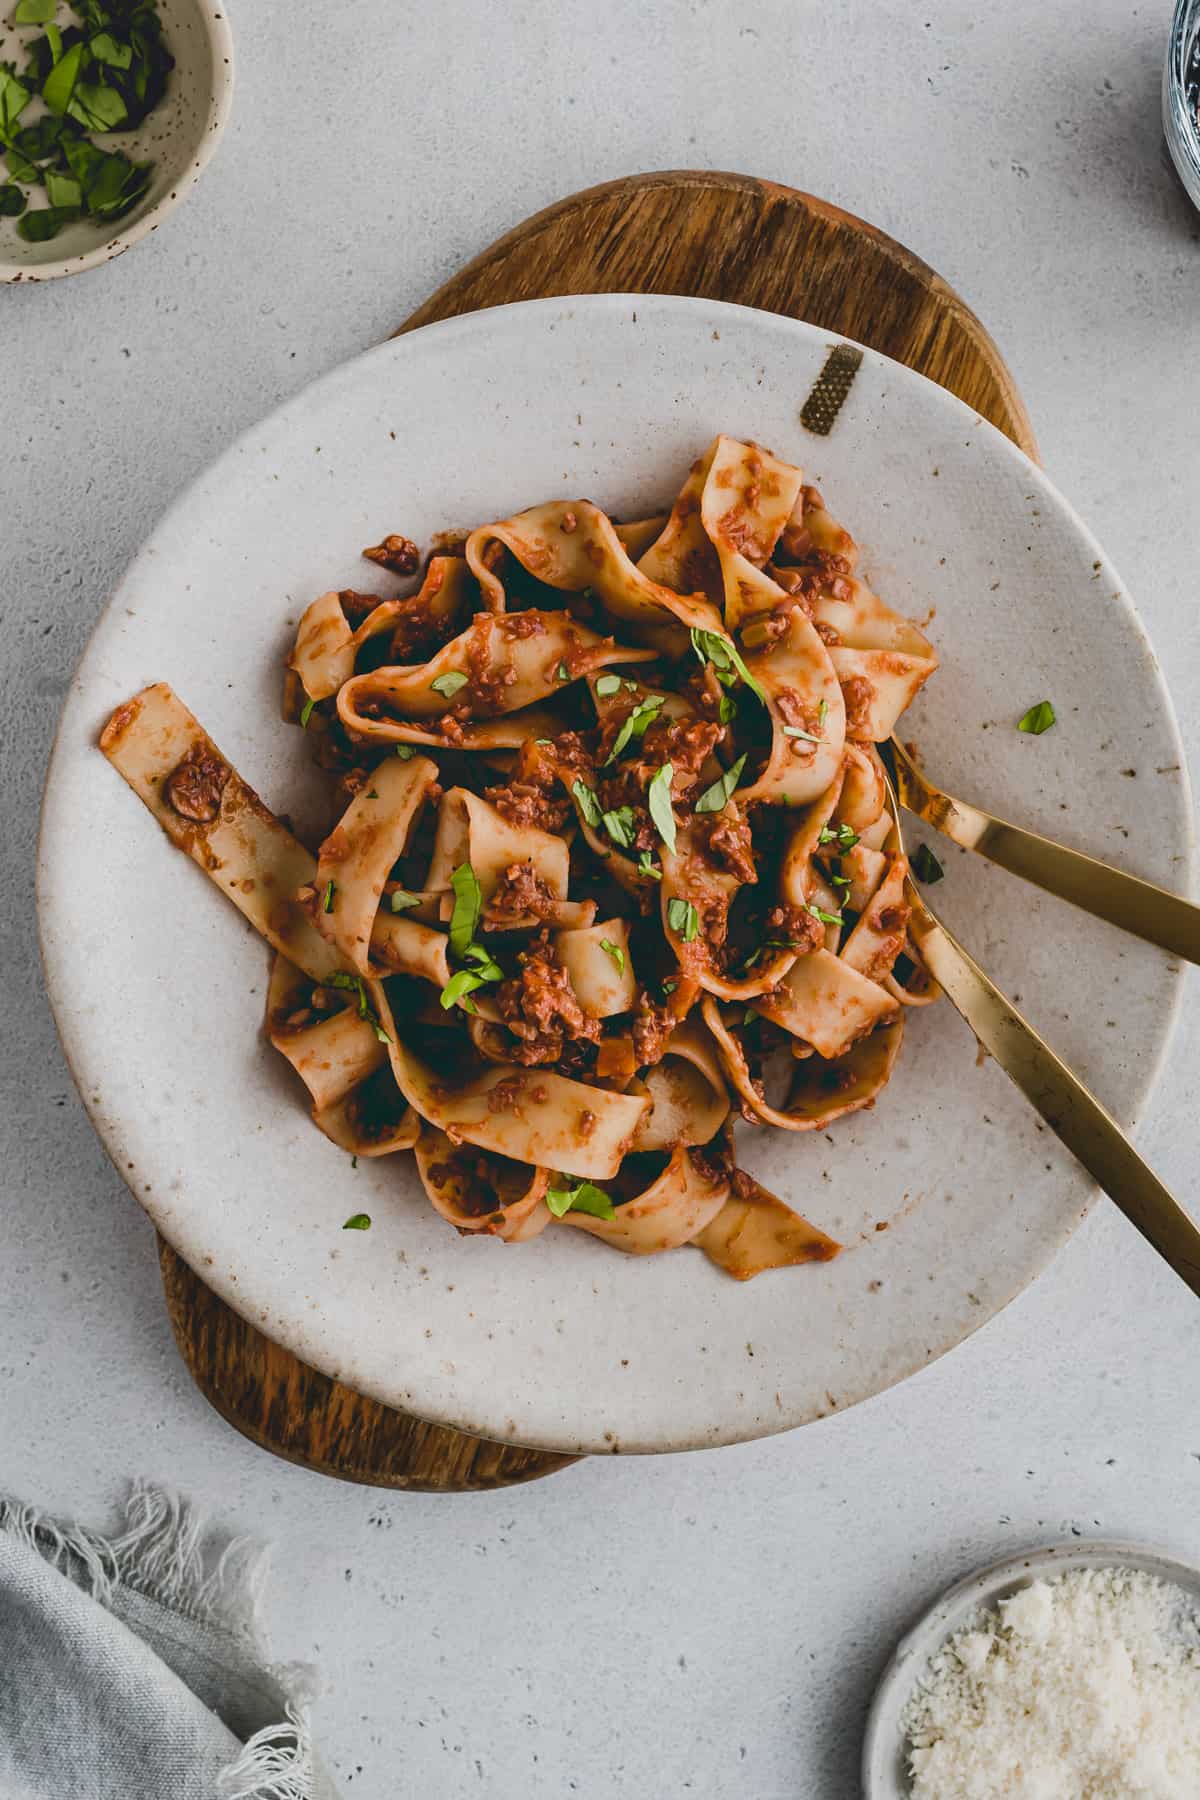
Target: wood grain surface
722,237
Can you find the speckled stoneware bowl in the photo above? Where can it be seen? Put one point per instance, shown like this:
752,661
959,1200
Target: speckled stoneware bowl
885,1745
948,1194
180,137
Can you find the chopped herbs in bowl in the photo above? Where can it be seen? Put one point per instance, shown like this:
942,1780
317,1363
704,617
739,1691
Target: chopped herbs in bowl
109,111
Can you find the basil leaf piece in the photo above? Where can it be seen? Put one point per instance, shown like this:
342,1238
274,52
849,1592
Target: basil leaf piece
608,684
459,987
563,673
646,866
306,713
723,653
449,683
35,12
401,900
615,952
926,867
96,105
586,1198
842,836
330,891
726,709
358,1222
13,100
620,826
715,798
105,48
658,798
12,201
406,752
468,904
1039,718
20,167
810,737
54,39
59,86
635,726
39,227
589,806
822,712
63,190
683,919
826,918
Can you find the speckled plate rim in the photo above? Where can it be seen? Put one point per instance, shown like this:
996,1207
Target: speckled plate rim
491,1420
883,1773
220,104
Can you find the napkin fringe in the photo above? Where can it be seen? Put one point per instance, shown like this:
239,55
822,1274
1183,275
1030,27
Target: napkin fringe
275,1764
161,1553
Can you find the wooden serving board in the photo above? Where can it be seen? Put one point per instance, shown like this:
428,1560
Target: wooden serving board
721,237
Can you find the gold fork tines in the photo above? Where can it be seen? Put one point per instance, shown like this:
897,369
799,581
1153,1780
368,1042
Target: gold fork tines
1136,906
1058,1096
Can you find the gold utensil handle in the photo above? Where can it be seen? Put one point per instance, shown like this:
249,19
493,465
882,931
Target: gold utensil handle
1136,906
1073,1114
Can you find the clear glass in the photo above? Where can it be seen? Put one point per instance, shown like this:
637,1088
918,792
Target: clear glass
1181,95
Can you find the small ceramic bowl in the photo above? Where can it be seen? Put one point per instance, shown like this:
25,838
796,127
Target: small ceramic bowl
179,137
1181,95
885,1744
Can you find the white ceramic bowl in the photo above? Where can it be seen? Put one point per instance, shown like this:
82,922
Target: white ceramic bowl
884,1764
158,985
180,137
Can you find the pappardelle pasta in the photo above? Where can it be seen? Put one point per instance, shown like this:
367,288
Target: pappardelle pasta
609,859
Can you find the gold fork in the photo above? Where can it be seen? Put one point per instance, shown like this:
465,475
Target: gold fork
1137,906
1071,1111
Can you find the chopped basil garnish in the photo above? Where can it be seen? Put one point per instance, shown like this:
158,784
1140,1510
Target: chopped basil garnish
327,900
12,201
810,737
406,752
723,653
726,709
620,826
607,685
586,1198
342,979
658,798
546,743
754,956
683,919
748,1017
822,712
647,866
449,683
458,987
401,900
110,78
668,987
826,918
841,835
306,712
635,726
615,952
468,904
714,798
358,1222
589,806
1039,718
564,674
925,865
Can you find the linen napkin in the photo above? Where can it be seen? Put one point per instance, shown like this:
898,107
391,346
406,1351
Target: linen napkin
134,1668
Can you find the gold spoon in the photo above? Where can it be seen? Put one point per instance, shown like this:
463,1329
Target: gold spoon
1149,912
1073,1114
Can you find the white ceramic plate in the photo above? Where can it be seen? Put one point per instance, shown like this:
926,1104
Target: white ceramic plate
885,1771
158,986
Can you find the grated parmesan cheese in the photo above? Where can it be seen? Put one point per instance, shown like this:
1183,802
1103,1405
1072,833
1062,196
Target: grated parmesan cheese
1083,1688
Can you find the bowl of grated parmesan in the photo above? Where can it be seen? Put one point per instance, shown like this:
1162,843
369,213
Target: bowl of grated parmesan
1067,1673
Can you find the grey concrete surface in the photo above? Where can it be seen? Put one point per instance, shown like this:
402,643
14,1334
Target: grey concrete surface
706,1625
